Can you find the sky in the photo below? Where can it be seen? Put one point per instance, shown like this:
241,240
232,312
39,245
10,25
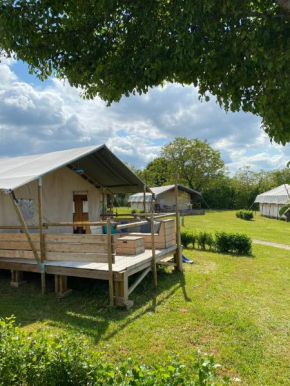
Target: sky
38,117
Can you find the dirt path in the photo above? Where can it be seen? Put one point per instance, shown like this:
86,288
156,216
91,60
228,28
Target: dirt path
276,245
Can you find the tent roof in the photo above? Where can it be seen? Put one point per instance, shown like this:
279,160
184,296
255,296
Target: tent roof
157,191
101,168
279,195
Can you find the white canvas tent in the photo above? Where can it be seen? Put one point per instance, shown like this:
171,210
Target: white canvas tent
164,197
271,201
91,171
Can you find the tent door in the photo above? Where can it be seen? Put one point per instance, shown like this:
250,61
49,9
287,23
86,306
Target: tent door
81,211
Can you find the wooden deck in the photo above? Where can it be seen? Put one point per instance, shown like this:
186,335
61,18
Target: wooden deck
123,268
130,264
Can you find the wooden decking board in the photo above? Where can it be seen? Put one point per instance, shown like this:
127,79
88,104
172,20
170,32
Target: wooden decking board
122,263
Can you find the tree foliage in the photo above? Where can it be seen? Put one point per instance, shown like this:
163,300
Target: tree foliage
194,160
238,50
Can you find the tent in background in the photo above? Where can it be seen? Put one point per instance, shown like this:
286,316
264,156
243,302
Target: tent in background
272,201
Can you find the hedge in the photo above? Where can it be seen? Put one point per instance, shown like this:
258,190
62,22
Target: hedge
245,214
224,242
32,359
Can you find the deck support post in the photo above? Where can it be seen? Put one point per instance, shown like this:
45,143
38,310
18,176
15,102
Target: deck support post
178,253
60,285
122,293
17,279
154,267
110,263
41,235
26,231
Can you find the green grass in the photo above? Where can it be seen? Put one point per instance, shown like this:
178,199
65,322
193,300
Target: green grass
260,227
236,307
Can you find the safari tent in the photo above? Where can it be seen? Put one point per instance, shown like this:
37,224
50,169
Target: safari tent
271,201
162,199
52,222
74,182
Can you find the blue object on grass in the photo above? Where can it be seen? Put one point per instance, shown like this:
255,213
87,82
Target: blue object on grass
186,260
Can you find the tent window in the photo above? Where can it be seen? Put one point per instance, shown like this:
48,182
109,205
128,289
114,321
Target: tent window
27,208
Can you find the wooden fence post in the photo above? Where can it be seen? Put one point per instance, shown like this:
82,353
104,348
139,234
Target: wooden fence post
154,268
110,262
178,254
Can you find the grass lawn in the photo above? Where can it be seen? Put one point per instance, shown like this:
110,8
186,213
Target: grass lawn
260,227
236,307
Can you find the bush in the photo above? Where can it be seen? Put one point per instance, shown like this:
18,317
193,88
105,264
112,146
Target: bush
31,359
201,240
245,214
185,238
233,243
134,211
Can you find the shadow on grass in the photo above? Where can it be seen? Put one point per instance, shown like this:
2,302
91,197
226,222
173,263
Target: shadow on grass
86,310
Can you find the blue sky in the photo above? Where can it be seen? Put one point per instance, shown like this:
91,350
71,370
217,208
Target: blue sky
46,116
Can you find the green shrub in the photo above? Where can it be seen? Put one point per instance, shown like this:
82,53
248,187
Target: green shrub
186,238
31,359
134,211
192,238
233,243
201,239
245,214
210,241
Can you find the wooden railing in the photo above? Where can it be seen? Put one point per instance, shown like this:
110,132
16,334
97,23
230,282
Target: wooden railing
58,247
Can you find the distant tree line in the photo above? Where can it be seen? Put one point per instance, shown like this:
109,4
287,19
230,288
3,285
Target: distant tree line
201,168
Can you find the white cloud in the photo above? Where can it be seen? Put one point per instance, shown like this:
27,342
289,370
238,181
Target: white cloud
53,116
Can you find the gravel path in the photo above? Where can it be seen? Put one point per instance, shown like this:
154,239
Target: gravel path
276,245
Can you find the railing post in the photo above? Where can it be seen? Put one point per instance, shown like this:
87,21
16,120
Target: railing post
154,268
178,254
110,262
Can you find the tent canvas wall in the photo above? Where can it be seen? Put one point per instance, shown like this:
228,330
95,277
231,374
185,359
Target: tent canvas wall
59,188
164,197
272,201
90,171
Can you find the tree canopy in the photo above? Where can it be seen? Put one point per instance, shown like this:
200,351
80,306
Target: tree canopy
237,50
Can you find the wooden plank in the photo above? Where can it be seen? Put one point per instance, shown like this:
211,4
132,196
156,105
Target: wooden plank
138,281
74,223
16,245
85,248
168,223
86,273
86,257
18,237
19,266
16,254
84,239
131,251
131,225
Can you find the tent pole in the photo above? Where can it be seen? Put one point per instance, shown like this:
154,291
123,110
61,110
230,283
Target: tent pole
178,255
26,231
144,199
41,235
